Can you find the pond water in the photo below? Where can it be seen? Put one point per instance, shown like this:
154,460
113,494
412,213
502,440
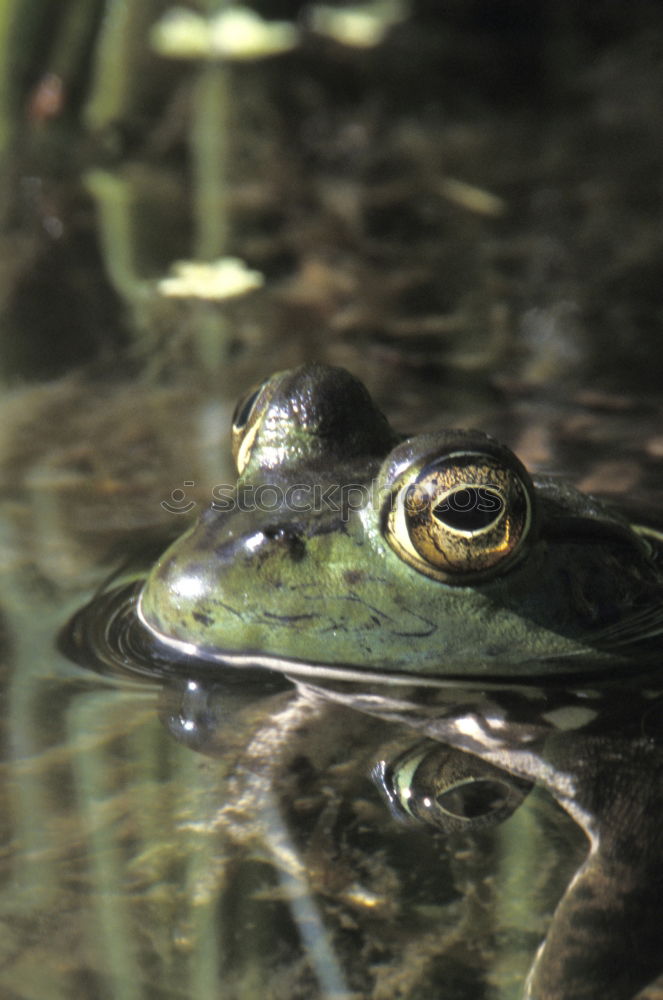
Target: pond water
180,833
467,215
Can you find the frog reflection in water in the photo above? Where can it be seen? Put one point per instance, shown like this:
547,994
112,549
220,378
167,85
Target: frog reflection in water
431,581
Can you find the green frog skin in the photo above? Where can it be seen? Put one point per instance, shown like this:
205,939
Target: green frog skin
458,565
506,616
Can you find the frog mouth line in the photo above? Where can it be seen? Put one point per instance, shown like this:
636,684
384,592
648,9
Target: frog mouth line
293,667
310,670
110,636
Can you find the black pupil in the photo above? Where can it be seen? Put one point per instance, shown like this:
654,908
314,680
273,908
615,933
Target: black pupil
474,799
469,509
243,409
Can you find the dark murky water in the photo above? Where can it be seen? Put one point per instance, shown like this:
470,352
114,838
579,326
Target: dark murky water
467,215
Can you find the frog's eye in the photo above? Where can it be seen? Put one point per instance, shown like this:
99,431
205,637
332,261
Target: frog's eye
448,788
461,515
245,423
243,410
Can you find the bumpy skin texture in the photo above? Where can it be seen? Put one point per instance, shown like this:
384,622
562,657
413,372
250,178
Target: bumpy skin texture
326,586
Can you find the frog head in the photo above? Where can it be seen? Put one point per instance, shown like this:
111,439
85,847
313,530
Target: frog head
346,549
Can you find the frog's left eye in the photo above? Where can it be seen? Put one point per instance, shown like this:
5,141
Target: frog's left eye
460,515
245,423
244,409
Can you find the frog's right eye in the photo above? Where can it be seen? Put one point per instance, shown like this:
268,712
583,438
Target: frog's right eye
245,423
460,512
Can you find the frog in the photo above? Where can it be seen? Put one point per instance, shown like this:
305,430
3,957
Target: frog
499,616
435,555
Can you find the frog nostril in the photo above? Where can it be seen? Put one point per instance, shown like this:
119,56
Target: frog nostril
275,532
288,537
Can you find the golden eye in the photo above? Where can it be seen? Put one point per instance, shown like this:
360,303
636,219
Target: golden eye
245,424
242,411
462,515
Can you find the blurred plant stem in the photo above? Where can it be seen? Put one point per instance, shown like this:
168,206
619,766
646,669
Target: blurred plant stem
120,76
83,90
118,71
8,19
209,140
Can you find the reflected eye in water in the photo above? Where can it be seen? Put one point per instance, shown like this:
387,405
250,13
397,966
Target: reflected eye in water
448,789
